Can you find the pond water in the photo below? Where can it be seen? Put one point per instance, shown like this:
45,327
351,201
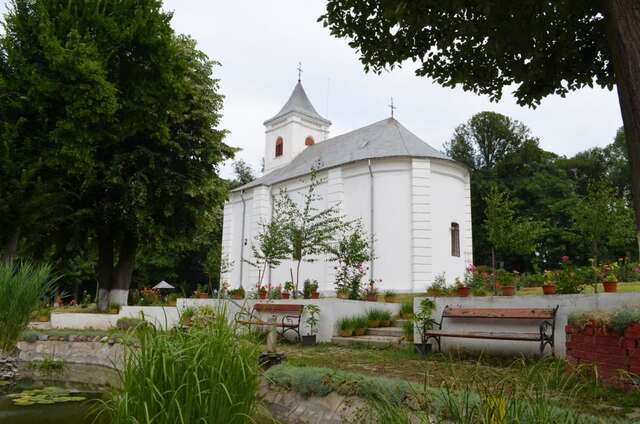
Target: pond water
69,412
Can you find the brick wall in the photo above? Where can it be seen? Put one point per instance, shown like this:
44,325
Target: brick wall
615,355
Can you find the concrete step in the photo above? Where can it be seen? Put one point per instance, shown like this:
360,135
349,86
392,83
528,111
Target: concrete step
386,331
373,341
399,323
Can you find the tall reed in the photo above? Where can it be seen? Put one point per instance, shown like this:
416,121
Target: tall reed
206,375
22,288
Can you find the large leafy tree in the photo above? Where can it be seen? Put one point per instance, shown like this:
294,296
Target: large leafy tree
540,47
123,113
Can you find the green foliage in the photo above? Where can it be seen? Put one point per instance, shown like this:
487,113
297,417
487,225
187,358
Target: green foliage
309,381
270,247
130,323
360,322
22,288
313,312
481,46
506,232
310,287
351,253
602,219
204,375
125,137
407,328
48,365
309,230
347,323
618,319
378,315
406,308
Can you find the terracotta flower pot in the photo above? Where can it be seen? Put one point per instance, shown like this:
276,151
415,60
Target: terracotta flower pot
43,318
464,291
345,333
315,295
610,286
385,323
549,289
372,298
202,295
285,295
373,324
262,295
508,290
360,331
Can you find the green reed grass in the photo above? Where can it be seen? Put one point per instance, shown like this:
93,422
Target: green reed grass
206,375
23,286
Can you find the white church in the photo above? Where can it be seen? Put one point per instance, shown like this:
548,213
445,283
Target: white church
413,199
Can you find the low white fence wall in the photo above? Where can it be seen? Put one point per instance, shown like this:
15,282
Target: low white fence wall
567,304
331,310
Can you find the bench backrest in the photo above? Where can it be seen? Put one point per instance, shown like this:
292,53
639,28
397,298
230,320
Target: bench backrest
498,313
279,307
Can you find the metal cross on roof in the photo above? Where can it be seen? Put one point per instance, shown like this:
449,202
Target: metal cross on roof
392,107
299,71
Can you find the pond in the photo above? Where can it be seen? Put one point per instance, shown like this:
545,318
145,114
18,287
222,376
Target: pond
55,402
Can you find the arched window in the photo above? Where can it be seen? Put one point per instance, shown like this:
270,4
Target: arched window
309,141
279,146
455,239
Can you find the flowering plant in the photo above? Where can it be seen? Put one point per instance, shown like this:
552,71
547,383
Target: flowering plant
549,278
608,273
370,289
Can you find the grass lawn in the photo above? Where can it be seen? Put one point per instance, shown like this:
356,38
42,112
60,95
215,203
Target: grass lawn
579,391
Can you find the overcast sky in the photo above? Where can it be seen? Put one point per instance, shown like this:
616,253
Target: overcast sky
259,45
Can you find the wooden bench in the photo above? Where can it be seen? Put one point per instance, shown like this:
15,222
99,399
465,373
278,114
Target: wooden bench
546,319
290,321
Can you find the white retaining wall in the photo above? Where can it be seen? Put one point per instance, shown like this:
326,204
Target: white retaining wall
331,310
567,304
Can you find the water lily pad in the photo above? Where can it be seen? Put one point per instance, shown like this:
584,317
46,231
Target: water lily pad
46,396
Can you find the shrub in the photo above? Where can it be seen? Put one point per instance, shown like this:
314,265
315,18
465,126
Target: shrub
22,288
407,327
360,322
129,323
309,381
204,375
623,318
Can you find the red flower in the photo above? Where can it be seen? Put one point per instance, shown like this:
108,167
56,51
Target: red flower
565,259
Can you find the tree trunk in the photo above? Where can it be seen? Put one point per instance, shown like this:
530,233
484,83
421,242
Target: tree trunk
11,246
104,269
493,267
623,30
119,292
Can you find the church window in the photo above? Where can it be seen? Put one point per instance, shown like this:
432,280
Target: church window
309,141
279,146
455,239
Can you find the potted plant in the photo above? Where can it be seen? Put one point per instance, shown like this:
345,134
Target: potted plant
423,321
461,288
609,277
505,280
262,292
549,286
370,292
385,318
360,325
312,323
346,327
311,289
406,310
374,317
342,293
389,296
288,288
237,293
200,292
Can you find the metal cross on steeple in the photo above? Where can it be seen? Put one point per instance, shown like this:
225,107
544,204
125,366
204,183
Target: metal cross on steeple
392,107
299,71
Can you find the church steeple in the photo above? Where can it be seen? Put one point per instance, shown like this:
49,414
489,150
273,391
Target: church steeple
295,127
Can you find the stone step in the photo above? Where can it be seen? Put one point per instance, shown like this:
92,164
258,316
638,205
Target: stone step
399,323
386,331
373,341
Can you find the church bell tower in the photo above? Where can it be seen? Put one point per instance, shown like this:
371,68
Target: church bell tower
296,127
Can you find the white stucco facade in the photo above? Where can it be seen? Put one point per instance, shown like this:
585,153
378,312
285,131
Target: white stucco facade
405,192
